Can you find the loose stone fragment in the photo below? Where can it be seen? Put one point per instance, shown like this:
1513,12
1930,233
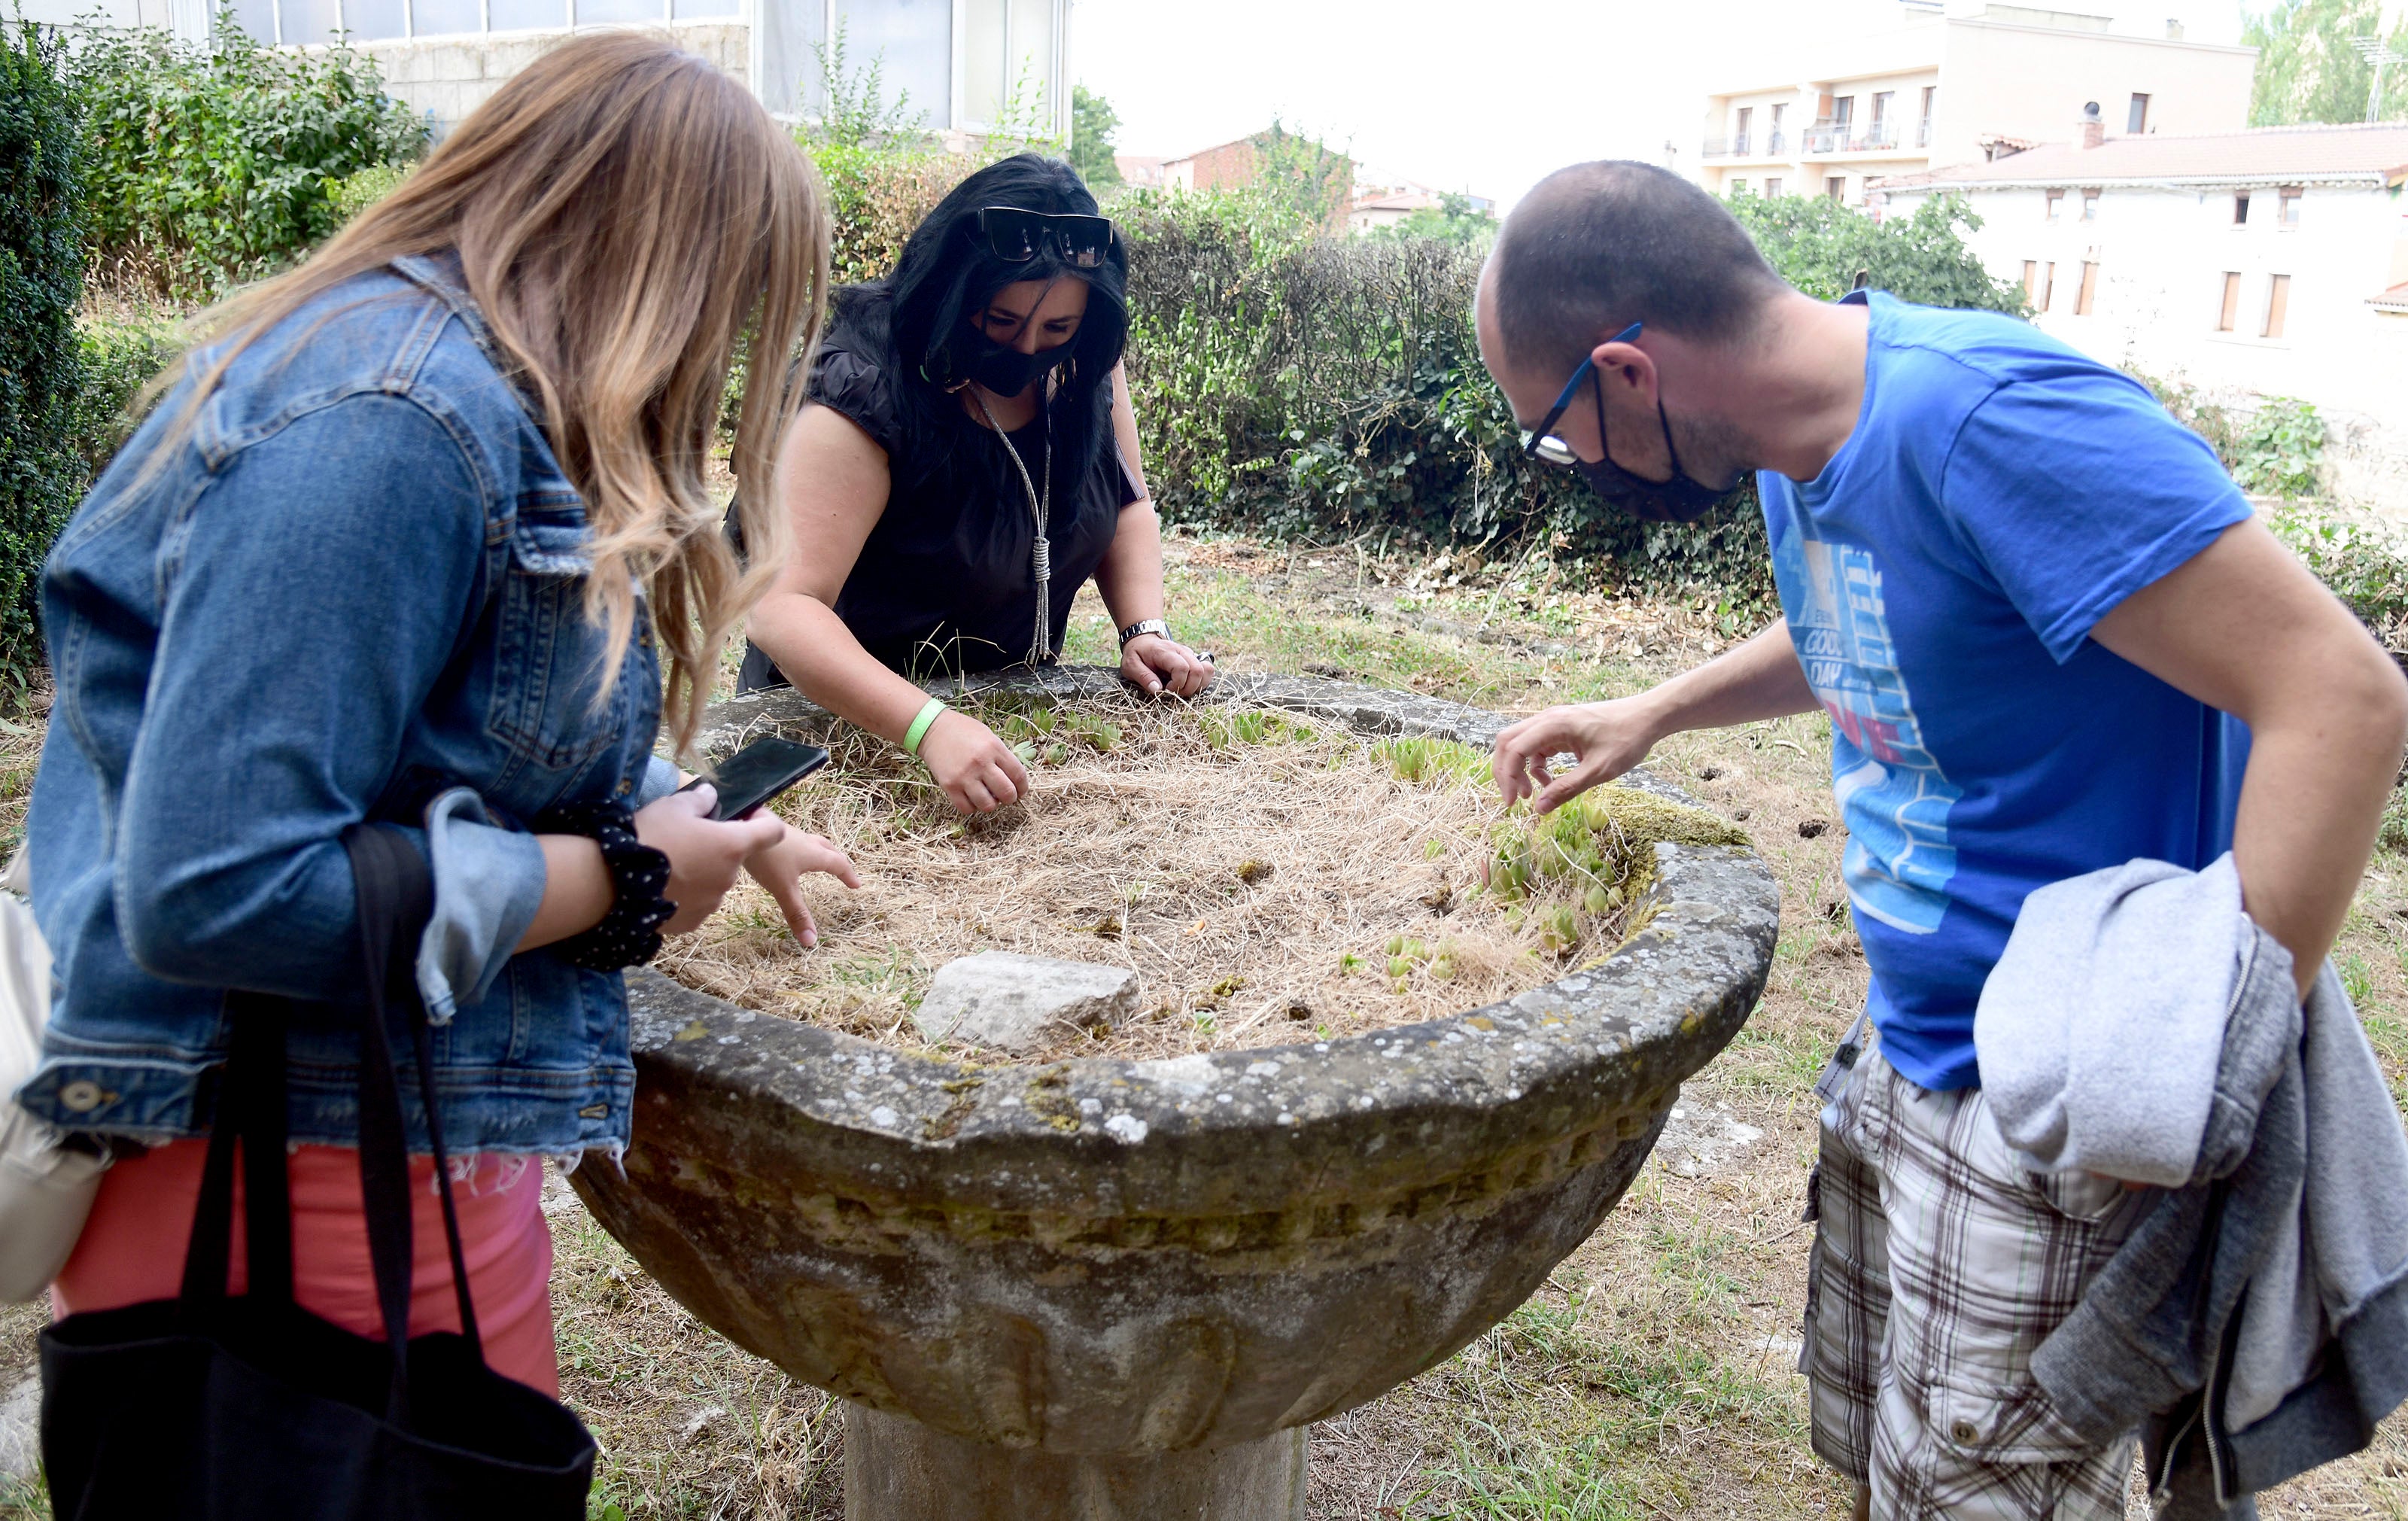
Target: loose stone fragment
1020,1004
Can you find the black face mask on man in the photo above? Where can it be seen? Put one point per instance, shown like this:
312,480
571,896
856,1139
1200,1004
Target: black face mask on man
1679,499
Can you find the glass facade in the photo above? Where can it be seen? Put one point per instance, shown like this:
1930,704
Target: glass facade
376,21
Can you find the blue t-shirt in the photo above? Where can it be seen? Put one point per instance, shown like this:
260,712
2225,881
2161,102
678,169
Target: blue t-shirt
1999,496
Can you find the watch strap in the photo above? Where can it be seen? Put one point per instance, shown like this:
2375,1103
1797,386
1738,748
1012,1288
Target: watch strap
1144,626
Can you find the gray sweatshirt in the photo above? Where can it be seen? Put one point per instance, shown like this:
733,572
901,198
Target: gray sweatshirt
2256,1318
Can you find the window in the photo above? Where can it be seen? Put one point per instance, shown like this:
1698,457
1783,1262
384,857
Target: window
1773,187
1880,136
2278,301
2031,280
294,22
2091,206
2138,120
1923,127
1836,187
2240,210
2290,207
1844,112
1746,117
2230,309
2048,285
2055,203
2089,290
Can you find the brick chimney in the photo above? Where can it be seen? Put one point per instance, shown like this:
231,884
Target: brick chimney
2094,131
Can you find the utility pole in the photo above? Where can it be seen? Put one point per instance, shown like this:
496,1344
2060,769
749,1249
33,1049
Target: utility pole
2375,51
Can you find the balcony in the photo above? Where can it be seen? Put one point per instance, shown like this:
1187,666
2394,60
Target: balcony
1716,148
1737,145
1827,138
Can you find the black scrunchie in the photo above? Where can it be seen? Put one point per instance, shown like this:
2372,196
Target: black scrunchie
630,934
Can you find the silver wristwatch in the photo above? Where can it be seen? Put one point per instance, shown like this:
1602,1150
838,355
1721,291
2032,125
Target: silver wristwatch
1144,626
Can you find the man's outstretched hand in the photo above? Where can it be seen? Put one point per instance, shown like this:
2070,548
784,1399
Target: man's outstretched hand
1605,739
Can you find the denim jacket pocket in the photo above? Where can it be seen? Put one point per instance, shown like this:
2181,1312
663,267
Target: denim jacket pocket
548,657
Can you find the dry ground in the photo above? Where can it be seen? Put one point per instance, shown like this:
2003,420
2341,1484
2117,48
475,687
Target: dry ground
1653,1376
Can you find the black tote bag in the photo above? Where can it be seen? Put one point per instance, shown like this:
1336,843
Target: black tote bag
251,1409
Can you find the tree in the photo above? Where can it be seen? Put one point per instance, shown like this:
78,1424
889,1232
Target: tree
1824,249
1093,122
1454,219
1304,173
2309,71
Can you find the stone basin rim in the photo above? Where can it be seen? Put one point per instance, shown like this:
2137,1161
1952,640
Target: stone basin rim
1637,1010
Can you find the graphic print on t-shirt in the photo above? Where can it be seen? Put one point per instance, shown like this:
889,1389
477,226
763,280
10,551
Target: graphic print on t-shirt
1891,790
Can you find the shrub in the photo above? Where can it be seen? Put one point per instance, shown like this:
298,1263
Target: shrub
41,280
2365,565
1323,388
2279,449
119,356
1827,250
209,164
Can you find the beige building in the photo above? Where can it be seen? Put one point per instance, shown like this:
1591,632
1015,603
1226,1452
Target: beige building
1939,89
2265,262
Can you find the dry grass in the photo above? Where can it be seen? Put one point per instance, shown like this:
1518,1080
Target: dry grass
1265,881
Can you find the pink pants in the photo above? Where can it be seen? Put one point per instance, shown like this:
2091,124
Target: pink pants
132,1249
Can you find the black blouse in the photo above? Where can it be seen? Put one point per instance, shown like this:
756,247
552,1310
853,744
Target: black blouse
944,582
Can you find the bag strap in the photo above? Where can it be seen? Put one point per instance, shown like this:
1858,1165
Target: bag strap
396,895
250,1109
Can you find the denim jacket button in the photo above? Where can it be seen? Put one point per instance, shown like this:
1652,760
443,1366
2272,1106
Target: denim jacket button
83,1096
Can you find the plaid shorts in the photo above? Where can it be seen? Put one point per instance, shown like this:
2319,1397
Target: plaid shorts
1939,1266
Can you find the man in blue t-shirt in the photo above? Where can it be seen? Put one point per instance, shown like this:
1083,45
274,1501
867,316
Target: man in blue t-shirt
2050,637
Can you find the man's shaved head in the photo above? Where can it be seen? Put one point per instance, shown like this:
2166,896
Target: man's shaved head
1599,245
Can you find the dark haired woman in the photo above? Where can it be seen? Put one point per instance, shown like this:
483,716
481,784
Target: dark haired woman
970,461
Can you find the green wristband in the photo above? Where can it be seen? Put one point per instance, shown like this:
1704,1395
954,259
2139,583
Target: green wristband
919,729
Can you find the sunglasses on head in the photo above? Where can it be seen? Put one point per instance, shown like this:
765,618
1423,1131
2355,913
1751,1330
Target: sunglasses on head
1017,237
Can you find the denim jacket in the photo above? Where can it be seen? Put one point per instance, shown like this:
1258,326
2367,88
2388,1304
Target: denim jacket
356,587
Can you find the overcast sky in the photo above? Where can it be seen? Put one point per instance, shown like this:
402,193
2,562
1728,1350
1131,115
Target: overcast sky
1485,96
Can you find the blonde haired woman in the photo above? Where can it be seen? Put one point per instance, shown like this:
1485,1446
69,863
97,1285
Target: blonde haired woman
407,541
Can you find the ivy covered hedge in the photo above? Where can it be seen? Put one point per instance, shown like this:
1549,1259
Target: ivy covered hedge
41,373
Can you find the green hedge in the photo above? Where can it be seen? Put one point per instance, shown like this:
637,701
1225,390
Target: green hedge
209,164
41,280
1325,388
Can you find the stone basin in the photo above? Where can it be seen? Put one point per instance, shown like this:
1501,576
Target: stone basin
1104,1288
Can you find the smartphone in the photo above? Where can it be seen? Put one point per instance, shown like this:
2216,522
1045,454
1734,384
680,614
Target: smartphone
758,772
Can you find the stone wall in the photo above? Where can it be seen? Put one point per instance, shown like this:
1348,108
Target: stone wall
446,78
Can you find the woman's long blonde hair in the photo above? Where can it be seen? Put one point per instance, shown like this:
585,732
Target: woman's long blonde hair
627,218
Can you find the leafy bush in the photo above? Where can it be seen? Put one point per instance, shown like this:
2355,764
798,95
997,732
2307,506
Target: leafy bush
41,280
1827,250
119,356
1321,387
2365,565
212,162
2279,449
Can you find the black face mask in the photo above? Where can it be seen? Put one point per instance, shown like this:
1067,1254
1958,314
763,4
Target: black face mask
1677,500
1006,371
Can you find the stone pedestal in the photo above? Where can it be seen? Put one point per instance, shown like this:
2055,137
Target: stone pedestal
897,1469
1104,1289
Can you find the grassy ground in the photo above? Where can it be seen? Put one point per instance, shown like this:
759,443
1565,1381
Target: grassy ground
1652,1375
